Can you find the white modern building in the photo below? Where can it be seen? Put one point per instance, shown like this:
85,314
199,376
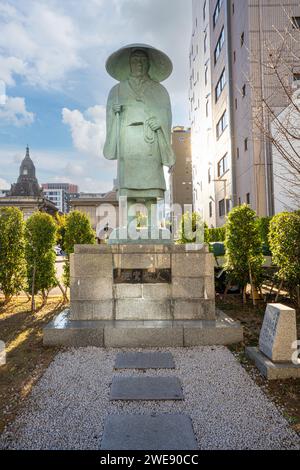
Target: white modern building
58,197
60,194
286,157
232,162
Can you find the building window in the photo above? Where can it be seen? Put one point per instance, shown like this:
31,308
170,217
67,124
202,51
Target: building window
222,208
220,85
222,124
223,165
234,56
219,45
242,39
217,12
207,108
244,91
296,22
209,175
246,144
248,198
233,9
205,43
210,209
206,75
237,153
296,77
240,201
236,103
204,11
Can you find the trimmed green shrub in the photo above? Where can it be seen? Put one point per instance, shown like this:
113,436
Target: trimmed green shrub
78,231
216,234
192,229
243,258
40,238
264,227
12,259
60,229
284,240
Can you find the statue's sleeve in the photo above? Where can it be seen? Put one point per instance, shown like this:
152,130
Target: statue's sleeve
110,146
164,135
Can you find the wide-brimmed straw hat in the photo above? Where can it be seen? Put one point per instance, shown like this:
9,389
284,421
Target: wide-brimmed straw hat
117,65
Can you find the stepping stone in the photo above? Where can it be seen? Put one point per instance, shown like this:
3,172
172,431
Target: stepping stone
148,432
146,388
141,360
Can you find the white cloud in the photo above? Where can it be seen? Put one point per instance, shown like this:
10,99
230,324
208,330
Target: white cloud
4,184
51,44
9,68
37,42
87,129
14,112
74,170
48,42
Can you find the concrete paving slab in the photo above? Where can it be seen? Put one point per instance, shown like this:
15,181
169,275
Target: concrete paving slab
149,432
141,360
146,388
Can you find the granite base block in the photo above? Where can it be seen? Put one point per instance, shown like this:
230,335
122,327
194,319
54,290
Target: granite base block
271,370
63,331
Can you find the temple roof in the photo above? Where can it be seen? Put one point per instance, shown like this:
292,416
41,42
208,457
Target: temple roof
27,184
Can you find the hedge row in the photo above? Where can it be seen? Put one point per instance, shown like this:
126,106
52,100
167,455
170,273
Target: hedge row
27,256
247,238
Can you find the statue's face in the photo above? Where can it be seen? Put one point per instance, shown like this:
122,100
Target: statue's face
139,63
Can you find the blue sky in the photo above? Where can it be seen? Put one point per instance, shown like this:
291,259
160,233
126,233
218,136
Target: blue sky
52,67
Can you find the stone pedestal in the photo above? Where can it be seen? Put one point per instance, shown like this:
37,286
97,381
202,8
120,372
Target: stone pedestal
276,356
142,296
164,283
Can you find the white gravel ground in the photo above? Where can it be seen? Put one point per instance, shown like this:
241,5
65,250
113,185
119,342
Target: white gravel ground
68,406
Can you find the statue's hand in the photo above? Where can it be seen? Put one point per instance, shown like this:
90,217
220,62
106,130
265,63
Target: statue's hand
154,124
117,108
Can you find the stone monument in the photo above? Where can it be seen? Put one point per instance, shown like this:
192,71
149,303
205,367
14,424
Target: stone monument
141,291
276,356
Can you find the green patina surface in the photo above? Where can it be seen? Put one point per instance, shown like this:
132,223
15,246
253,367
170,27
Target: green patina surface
139,121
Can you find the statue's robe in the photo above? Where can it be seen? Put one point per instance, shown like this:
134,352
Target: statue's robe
142,152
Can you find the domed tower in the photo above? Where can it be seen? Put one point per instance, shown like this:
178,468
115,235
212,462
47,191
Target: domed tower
27,184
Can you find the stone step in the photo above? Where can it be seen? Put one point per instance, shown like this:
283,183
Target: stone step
146,388
148,432
141,334
147,360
